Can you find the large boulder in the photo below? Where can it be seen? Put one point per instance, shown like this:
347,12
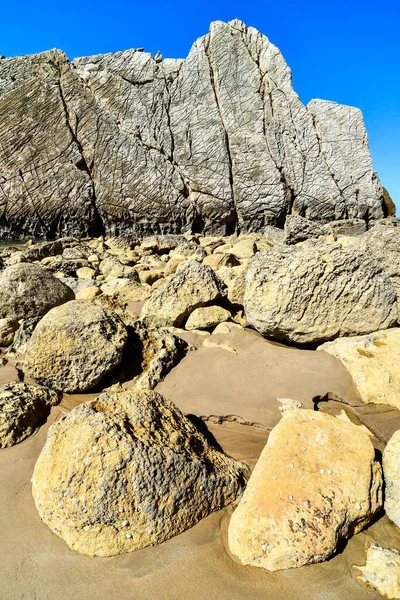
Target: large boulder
316,291
139,474
315,483
74,346
383,243
391,472
194,285
23,408
128,143
373,362
28,290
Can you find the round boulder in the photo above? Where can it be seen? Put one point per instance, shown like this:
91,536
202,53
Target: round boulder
316,291
139,474
74,346
28,290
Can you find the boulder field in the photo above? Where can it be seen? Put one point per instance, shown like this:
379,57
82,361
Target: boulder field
137,350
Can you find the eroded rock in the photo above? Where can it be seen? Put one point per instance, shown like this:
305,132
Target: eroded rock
193,285
126,143
140,473
373,362
381,572
391,472
206,317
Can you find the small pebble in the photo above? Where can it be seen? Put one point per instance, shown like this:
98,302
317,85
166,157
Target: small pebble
128,536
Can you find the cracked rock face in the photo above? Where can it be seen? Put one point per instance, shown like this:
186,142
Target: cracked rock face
383,243
74,346
139,474
315,483
218,142
317,291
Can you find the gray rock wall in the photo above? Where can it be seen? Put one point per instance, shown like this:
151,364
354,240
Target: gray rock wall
218,142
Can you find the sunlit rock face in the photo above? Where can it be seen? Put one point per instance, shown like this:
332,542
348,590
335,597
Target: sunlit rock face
218,143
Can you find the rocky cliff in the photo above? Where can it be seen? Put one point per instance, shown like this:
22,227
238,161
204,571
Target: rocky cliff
217,143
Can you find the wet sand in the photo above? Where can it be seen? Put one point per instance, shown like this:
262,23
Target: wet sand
196,565
214,381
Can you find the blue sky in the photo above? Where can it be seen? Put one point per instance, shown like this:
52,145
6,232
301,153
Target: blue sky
346,51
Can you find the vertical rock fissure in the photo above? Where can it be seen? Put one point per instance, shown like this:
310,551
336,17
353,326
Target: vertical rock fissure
322,154
98,227
233,226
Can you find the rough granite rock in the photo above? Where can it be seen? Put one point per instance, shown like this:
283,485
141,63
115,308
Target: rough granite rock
317,291
383,243
74,346
391,472
381,572
389,207
139,474
193,285
23,408
28,290
126,143
373,362
315,483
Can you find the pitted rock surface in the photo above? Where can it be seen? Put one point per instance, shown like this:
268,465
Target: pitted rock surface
219,142
139,474
383,243
391,472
